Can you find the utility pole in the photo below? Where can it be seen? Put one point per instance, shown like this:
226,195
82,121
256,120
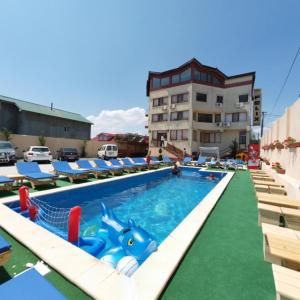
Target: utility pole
263,113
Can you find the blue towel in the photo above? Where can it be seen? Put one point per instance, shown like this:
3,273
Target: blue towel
4,245
28,286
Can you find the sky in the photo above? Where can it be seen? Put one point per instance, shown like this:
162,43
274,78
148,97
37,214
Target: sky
93,57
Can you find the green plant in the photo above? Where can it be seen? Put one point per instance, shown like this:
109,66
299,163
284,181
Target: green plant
83,152
6,133
42,140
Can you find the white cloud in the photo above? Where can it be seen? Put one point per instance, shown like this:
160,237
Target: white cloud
119,121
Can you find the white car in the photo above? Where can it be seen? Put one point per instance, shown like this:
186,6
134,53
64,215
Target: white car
108,151
38,154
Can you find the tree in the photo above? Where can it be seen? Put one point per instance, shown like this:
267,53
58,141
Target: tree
6,133
42,140
83,153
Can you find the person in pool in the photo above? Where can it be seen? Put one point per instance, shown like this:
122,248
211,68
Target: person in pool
211,177
176,169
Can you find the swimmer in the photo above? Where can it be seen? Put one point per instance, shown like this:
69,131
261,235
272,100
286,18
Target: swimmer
211,177
176,170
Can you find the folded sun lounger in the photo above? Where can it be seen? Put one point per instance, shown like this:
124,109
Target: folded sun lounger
187,160
112,169
29,285
85,164
5,251
63,168
201,161
167,160
127,161
140,161
34,175
125,167
6,183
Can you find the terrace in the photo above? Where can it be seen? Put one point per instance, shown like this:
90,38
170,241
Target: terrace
225,260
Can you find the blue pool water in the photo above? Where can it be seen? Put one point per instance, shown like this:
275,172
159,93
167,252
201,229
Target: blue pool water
156,201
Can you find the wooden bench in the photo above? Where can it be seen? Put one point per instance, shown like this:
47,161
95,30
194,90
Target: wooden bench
269,214
287,283
265,178
280,202
291,217
269,183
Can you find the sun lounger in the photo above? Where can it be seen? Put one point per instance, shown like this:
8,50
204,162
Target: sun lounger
269,183
167,160
285,202
34,175
269,214
124,167
85,164
201,161
287,283
265,178
187,160
127,161
29,285
5,251
257,172
64,169
155,161
291,218
140,161
111,169
6,183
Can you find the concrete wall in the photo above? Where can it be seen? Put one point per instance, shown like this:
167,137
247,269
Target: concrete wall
283,127
54,144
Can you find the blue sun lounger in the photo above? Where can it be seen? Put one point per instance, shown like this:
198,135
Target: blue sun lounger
125,167
201,161
29,285
63,168
85,164
112,169
127,162
155,161
6,183
34,175
187,160
167,160
139,161
5,251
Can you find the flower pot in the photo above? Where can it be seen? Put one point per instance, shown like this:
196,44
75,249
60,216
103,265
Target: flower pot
279,146
294,145
280,171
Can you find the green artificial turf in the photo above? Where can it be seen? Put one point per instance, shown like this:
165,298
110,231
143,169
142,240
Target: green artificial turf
226,259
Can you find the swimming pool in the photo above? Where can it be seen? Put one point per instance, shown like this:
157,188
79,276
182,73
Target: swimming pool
157,269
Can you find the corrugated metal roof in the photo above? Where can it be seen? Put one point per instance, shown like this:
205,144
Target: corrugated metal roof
45,110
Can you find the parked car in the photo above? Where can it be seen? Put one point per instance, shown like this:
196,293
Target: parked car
7,153
108,151
38,154
68,154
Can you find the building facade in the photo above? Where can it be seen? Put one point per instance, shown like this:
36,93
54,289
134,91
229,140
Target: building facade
27,118
196,105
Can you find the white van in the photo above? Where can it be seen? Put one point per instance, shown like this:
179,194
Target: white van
108,151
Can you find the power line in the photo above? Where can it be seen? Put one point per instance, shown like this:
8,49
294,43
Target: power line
285,81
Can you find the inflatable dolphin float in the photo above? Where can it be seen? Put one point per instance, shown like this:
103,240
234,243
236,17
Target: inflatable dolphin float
130,243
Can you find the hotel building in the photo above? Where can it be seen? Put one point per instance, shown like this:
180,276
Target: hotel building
196,105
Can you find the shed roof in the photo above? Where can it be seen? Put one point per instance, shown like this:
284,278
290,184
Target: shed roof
45,110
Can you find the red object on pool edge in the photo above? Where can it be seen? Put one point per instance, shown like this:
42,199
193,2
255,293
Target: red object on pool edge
74,224
24,196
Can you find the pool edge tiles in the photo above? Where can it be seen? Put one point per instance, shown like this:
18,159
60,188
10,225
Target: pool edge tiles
97,279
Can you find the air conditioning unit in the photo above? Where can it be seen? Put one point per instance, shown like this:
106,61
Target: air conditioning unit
219,124
227,124
219,104
239,105
165,107
173,106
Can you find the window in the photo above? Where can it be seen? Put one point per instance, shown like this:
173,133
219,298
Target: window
201,97
67,129
165,81
159,117
203,76
197,75
180,115
206,118
185,75
257,102
235,117
217,118
228,117
194,135
154,135
175,79
216,81
179,134
180,98
160,101
219,99
243,117
156,83
210,137
242,139
243,98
